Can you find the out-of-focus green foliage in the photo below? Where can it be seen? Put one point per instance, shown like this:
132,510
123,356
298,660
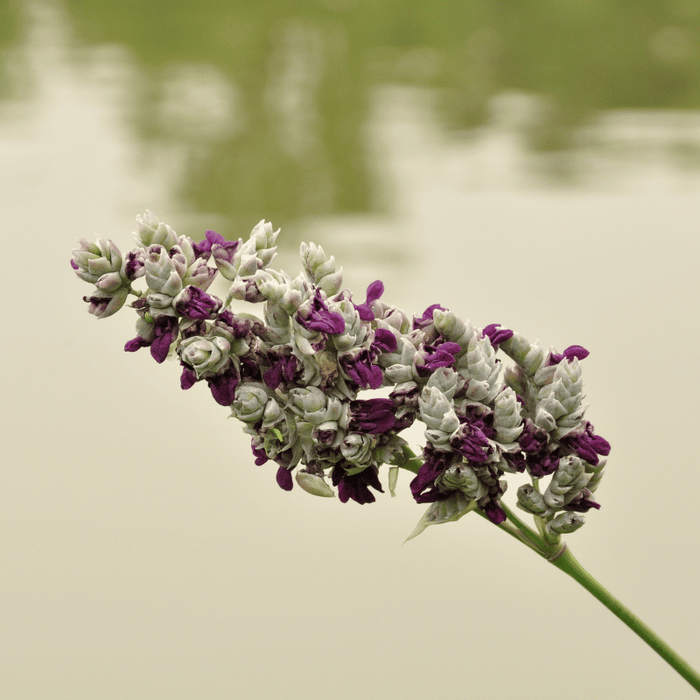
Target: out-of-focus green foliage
11,24
296,80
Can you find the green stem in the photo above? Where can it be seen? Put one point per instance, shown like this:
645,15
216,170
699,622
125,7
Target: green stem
568,564
557,553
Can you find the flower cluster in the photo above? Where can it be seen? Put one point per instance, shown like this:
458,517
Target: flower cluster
294,376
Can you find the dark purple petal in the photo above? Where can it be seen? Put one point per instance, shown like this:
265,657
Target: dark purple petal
356,486
438,356
572,351
165,334
384,341
373,416
160,347
203,249
515,460
494,513
582,503
471,443
193,303
134,265
223,387
497,335
587,445
74,264
427,318
283,366
188,378
284,479
358,366
576,351
532,439
374,291
220,248
318,317
423,485
260,455
136,344
542,464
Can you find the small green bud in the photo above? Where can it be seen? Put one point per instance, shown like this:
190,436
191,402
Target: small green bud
314,484
565,522
531,500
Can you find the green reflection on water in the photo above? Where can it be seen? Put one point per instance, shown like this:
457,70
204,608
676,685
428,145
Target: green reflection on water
269,101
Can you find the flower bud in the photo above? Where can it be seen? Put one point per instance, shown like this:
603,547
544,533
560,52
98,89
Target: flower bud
529,356
249,402
446,380
92,261
357,448
569,478
320,269
453,329
507,420
437,411
307,399
103,304
531,500
257,252
479,366
161,275
565,523
463,478
151,231
206,356
314,484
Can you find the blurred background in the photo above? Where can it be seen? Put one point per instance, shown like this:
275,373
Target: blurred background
532,163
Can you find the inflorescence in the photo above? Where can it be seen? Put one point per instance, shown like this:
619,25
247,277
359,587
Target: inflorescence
294,377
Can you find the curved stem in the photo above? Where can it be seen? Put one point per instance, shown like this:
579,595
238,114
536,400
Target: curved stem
557,553
568,564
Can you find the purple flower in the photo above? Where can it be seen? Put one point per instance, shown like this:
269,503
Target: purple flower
582,502
497,335
540,459
284,478
384,341
356,486
374,291
164,333
358,367
223,386
494,512
435,356
372,416
427,318
193,303
515,460
436,463
316,316
284,366
103,304
259,454
471,442
134,265
203,248
188,378
572,351
587,445
222,250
